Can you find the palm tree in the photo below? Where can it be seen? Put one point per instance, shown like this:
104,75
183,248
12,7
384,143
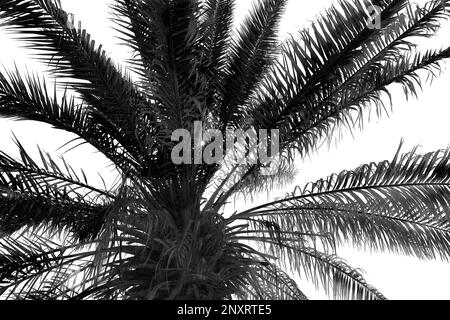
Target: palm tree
162,231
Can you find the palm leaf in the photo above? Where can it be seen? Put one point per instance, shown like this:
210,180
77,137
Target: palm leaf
399,206
28,98
298,102
251,54
74,56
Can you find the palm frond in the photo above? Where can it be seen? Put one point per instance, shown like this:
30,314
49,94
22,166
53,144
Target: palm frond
52,174
49,197
399,206
163,231
216,25
323,269
217,21
346,107
166,37
75,56
253,51
34,267
28,98
271,283
331,273
307,75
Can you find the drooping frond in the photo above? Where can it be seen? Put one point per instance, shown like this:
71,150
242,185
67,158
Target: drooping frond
325,270
269,282
294,253
401,206
331,273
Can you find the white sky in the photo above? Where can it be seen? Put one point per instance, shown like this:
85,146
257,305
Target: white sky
421,122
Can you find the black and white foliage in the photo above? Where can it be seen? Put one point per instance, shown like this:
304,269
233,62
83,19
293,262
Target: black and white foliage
162,232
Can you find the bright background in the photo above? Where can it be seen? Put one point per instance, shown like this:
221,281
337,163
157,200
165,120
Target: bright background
423,122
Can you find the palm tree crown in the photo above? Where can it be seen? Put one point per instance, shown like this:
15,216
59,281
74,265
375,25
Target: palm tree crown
162,232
